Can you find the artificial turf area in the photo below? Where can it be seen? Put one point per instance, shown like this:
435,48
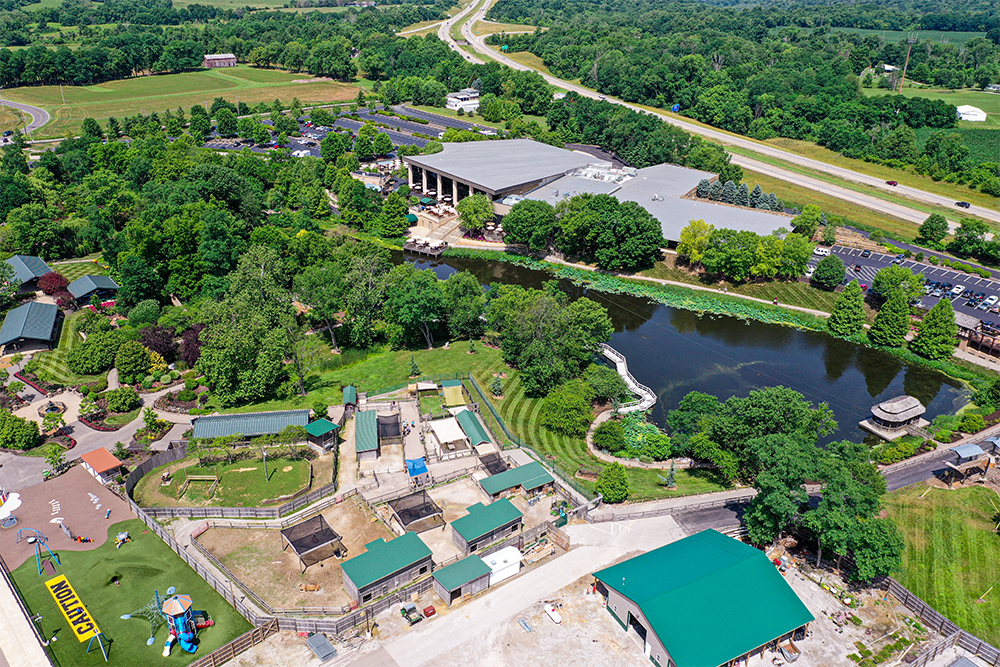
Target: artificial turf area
143,565
952,555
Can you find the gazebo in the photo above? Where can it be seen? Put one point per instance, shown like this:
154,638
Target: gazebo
892,418
322,432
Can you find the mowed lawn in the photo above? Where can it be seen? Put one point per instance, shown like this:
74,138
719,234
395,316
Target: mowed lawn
952,553
568,454
143,565
148,94
52,366
73,270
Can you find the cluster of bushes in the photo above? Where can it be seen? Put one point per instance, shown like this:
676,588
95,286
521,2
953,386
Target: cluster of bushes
123,399
568,408
633,437
866,657
902,449
17,432
738,195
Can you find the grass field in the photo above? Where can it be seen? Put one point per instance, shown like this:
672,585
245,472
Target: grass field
952,553
423,27
73,270
142,566
478,120
491,28
52,365
988,102
145,95
529,59
10,119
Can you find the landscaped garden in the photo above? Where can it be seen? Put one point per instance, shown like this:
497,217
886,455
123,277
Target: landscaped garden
52,367
952,555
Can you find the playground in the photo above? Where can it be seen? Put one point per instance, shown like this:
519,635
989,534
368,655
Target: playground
256,557
109,582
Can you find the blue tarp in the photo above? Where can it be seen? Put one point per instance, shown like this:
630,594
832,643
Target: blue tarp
416,467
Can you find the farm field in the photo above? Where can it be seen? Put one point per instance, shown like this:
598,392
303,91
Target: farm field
988,102
142,566
983,143
145,95
952,554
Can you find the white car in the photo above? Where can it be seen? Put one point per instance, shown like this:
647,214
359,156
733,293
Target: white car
957,290
820,251
810,271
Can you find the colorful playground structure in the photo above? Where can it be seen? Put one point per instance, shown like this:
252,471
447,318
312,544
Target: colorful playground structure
39,542
183,621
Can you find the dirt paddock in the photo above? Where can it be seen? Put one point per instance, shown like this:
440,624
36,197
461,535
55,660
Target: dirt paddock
74,499
256,557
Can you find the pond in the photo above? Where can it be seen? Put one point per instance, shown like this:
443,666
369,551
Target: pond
675,351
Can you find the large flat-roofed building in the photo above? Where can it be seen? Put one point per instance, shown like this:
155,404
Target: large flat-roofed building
662,190
495,168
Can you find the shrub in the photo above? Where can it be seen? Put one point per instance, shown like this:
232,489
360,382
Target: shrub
97,354
132,361
52,282
933,260
124,399
610,436
608,386
17,432
612,483
145,312
175,375
166,379
919,257
186,395
972,423
567,408
147,383
191,384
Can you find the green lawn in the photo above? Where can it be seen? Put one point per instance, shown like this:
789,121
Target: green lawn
52,365
478,120
143,565
242,484
147,94
75,270
521,415
952,555
988,102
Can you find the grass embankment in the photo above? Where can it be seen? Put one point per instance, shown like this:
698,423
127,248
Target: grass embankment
52,366
952,555
526,58
491,28
242,483
143,565
478,120
10,120
128,97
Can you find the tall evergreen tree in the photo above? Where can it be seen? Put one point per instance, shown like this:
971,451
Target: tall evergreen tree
756,196
773,202
703,187
743,195
937,337
848,316
114,129
715,191
729,193
892,321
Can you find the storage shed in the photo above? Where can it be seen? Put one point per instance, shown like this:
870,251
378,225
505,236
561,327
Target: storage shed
530,478
385,566
323,432
366,442
466,577
503,564
486,524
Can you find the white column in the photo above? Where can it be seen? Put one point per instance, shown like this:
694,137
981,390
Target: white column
454,191
440,186
409,174
423,175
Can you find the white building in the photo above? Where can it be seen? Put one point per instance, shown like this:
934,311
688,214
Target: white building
466,99
970,113
993,88
503,564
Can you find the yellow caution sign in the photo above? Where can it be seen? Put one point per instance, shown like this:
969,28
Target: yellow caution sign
83,624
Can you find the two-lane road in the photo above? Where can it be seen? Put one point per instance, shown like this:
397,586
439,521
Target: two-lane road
39,117
725,138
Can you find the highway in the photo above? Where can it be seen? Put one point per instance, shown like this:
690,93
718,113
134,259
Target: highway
868,201
39,117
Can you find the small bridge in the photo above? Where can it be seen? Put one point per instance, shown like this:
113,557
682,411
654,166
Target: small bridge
647,398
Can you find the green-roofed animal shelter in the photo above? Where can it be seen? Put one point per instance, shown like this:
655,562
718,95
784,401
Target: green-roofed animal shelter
529,478
32,321
350,395
486,524
473,430
466,577
366,435
682,601
248,424
28,269
83,288
385,566
322,432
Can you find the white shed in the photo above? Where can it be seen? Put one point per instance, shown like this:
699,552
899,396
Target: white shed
971,113
503,564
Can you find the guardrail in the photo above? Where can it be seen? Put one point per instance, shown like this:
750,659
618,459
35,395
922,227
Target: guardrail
647,397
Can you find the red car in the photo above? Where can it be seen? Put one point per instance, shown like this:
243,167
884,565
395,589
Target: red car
892,183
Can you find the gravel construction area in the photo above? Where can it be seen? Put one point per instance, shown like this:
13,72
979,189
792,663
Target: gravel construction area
256,557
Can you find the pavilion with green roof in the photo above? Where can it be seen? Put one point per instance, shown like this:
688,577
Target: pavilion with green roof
529,478
385,566
322,432
466,577
366,442
248,424
689,603
32,321
486,524
473,430
28,269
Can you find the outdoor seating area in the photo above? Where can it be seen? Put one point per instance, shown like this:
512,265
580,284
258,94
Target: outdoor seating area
440,211
425,246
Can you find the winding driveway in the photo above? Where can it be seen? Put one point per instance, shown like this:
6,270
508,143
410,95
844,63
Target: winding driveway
39,116
726,138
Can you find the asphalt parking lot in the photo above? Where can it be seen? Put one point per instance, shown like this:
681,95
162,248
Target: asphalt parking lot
871,265
443,121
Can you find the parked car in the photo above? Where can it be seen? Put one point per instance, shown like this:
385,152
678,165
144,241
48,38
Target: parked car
963,204
820,251
938,292
810,271
957,290
866,253
892,183
898,259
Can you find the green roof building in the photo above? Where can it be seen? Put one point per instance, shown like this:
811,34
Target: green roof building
682,601
248,424
351,395
83,288
28,268
32,321
322,432
466,577
486,524
530,477
366,435
472,428
385,566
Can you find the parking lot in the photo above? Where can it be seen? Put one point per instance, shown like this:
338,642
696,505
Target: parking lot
869,266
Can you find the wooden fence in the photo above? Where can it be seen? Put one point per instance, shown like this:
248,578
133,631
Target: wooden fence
664,511
245,641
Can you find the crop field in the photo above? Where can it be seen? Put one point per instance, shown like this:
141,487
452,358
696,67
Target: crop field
952,555
568,454
983,143
988,102
145,95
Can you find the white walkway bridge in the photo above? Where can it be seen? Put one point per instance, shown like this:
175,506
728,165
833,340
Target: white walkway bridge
646,396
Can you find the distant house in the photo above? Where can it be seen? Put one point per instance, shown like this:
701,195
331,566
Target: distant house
971,113
83,288
32,321
466,99
28,269
385,566
248,424
889,68
993,88
219,60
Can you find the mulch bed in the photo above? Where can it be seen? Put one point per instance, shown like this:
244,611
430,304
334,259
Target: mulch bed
62,439
11,403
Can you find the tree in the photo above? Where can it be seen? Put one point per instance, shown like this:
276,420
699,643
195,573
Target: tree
52,421
829,234
829,272
13,160
226,124
610,437
848,316
91,129
807,222
496,387
703,187
414,367
475,211
417,302
729,193
382,144
938,335
756,197
895,277
607,384
52,283
693,241
137,281
394,223
933,230
17,432
567,408
743,195
785,462
612,483
892,321
464,302
123,399
132,361
55,456
877,547
531,222
321,287
796,251
145,312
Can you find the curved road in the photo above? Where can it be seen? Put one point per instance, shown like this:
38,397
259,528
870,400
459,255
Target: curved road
39,117
874,203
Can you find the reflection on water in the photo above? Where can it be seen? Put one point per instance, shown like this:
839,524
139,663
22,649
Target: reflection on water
676,351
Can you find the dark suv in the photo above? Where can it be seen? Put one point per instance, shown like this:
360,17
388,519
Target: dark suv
963,204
